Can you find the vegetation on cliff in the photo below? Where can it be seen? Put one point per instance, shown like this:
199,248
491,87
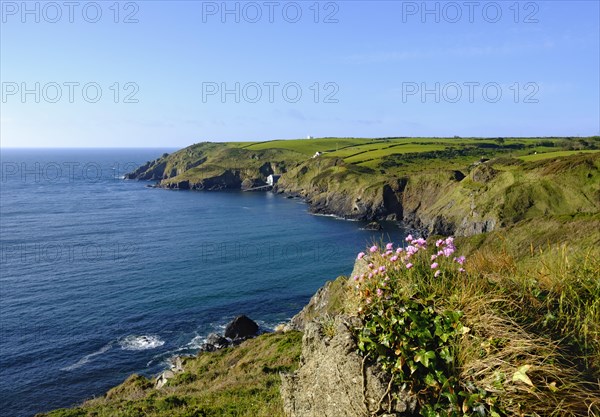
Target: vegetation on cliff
441,185
240,381
484,335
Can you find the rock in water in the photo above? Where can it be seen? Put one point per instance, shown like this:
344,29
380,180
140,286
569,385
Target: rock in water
217,341
241,327
373,226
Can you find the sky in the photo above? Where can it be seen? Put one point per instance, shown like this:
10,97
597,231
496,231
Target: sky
169,74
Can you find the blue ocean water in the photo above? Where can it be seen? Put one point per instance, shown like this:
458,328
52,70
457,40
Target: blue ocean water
102,277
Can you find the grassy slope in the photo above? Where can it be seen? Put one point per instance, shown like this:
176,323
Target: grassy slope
207,159
531,301
242,381
534,283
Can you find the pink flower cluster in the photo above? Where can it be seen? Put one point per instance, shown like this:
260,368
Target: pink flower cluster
384,261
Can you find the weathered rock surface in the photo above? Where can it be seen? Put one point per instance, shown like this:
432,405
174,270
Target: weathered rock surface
373,226
217,341
325,302
333,381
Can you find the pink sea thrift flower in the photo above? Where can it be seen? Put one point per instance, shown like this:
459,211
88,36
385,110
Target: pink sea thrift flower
409,238
434,265
439,242
409,265
433,257
411,250
371,266
461,269
394,258
388,253
382,269
356,278
421,242
373,248
360,255
448,250
389,246
460,260
437,273
379,292
399,250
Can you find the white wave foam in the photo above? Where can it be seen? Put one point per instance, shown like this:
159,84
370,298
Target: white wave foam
140,342
87,358
196,342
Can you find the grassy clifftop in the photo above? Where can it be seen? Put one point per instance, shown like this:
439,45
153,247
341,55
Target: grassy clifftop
442,185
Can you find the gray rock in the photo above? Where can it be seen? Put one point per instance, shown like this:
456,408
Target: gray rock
217,341
373,226
333,381
163,378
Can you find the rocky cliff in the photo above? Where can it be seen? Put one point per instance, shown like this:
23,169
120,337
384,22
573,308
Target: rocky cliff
334,381
477,198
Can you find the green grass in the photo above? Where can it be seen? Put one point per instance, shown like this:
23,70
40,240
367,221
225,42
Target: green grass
242,381
307,147
374,157
530,301
555,154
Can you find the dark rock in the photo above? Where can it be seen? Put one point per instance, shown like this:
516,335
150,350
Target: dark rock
241,327
249,183
207,347
373,226
484,173
266,169
457,176
217,341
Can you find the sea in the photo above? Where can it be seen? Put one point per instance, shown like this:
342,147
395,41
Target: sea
102,277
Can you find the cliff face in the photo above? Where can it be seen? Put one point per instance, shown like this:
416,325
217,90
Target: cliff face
479,198
483,198
333,380
215,166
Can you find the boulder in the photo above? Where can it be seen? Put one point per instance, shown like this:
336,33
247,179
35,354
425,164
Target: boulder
163,378
373,226
217,341
333,380
241,327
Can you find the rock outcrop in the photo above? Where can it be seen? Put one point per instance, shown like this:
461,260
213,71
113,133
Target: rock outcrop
240,328
325,302
333,380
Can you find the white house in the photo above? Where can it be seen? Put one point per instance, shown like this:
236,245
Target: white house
272,179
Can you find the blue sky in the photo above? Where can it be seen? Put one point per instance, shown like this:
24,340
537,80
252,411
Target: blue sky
487,68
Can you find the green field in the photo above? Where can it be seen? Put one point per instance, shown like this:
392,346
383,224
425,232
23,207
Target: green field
546,155
371,153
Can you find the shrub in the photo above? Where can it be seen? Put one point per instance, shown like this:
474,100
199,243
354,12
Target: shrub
490,341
